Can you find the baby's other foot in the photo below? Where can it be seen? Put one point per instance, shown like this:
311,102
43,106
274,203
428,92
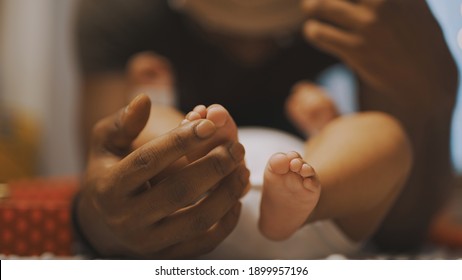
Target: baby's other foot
291,191
310,108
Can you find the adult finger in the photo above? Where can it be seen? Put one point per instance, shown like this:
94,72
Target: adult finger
331,39
206,242
150,159
193,181
343,14
115,133
197,219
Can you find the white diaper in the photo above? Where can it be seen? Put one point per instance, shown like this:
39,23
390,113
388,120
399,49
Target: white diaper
314,241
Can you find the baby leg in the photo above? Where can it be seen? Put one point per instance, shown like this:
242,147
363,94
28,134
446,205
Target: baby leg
291,191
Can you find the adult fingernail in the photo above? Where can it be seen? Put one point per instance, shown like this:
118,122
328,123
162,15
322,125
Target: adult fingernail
130,105
134,101
236,151
205,129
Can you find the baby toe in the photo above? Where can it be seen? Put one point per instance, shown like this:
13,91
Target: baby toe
192,116
201,110
279,163
296,165
218,115
307,171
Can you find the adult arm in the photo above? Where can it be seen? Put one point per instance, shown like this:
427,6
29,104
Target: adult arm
405,69
396,47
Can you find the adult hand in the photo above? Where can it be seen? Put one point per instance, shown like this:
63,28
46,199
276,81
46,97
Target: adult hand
395,46
123,211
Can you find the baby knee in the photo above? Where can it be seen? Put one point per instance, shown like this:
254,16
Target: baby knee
395,140
384,132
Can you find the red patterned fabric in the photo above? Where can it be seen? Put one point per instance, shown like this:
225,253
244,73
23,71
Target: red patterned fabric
35,217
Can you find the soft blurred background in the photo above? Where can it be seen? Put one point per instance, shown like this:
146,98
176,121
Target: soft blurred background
38,80
449,14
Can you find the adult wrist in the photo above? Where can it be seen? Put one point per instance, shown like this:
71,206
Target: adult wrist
83,245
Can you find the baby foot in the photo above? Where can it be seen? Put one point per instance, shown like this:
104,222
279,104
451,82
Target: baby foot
219,116
226,127
310,108
291,191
